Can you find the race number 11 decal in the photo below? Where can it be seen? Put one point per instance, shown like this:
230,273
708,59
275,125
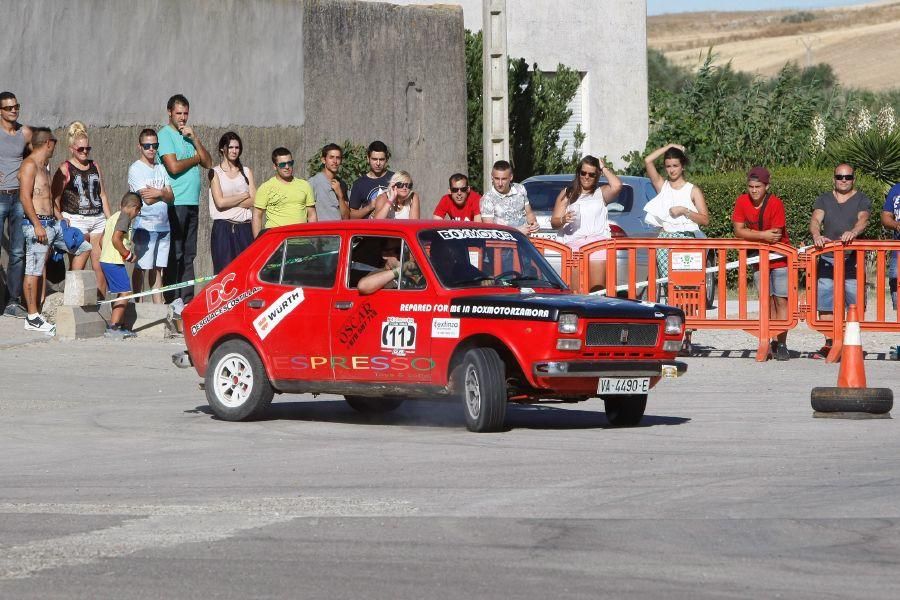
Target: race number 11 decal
398,333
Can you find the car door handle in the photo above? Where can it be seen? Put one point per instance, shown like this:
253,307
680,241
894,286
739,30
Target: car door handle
343,305
256,304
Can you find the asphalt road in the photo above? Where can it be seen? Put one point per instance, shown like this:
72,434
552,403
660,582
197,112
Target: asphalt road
115,482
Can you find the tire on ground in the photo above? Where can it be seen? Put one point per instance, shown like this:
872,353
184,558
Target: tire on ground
368,405
625,410
874,401
481,384
236,383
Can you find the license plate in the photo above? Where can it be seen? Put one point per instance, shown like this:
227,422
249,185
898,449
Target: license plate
610,386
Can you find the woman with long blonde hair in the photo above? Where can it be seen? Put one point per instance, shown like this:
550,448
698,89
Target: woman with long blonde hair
79,198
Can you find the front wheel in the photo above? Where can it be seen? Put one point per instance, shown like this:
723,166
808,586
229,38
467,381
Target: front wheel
625,411
481,381
367,405
237,387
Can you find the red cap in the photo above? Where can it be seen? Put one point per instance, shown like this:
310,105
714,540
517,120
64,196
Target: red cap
761,174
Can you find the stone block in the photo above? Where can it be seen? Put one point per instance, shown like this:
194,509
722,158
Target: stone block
148,320
81,289
79,322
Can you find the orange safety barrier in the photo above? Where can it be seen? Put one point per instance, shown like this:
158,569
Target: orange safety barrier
857,252
555,251
697,279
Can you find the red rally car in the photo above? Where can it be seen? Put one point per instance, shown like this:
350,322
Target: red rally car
387,311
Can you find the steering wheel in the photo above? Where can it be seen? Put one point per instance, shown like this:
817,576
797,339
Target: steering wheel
507,274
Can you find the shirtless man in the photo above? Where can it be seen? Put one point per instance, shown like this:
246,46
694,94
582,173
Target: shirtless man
40,227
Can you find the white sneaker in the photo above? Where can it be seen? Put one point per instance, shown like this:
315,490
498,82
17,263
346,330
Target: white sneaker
39,324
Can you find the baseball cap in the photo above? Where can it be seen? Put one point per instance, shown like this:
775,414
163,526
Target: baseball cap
759,173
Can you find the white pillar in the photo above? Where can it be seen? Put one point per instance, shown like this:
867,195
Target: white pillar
495,98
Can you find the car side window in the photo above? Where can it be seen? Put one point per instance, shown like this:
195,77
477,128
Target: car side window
369,254
307,261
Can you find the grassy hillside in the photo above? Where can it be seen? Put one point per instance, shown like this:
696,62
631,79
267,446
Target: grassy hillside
861,43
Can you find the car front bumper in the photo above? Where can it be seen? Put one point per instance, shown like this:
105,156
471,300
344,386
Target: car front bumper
609,368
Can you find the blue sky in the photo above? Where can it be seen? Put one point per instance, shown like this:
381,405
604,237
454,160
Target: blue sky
655,7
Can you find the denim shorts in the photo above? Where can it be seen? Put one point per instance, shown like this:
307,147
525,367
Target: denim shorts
36,253
778,282
825,293
151,248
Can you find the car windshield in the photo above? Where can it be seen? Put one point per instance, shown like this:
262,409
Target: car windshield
464,257
542,196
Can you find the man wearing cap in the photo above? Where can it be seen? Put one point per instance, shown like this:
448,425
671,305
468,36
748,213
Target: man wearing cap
841,215
759,217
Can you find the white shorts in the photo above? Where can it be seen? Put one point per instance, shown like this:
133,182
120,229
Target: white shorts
87,225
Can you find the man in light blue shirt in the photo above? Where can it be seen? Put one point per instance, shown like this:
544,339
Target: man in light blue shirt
183,154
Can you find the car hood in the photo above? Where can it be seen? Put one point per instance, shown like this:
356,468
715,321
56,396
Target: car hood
547,307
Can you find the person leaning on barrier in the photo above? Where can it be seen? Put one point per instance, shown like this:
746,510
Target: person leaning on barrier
679,209
890,219
759,217
838,215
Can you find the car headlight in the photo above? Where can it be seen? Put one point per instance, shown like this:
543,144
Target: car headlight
568,323
674,325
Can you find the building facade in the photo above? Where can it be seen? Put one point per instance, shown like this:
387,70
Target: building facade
604,40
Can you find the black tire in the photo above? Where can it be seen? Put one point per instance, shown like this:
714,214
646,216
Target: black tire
712,280
625,411
370,406
876,401
481,384
237,387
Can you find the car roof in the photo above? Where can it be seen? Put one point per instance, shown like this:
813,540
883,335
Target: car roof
380,226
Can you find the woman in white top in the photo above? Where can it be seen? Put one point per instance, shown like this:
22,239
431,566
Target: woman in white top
580,215
232,190
399,201
679,209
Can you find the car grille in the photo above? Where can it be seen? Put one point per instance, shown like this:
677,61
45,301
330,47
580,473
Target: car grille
621,334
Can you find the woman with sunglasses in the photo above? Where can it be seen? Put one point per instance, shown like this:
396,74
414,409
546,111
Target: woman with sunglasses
232,191
580,216
80,198
679,209
399,201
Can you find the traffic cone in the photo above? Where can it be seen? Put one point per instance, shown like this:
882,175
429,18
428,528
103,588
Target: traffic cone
853,372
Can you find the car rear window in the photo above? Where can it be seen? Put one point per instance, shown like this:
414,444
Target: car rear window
542,196
307,261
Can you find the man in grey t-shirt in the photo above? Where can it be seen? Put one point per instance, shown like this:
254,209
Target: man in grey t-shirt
14,137
330,191
838,215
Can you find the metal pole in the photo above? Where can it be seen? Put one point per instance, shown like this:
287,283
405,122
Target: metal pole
495,77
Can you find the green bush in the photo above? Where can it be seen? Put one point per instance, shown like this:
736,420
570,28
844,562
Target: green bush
797,187
353,166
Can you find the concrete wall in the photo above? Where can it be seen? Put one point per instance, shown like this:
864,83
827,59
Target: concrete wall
606,39
296,73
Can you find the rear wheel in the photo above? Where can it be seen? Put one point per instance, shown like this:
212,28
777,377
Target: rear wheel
368,405
237,387
481,382
625,411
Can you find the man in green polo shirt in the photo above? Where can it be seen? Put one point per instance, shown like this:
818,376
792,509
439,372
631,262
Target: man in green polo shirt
182,153
283,199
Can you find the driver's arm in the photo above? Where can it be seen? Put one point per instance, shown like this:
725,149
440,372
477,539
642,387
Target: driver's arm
373,282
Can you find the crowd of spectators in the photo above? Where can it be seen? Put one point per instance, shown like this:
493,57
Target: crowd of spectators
157,222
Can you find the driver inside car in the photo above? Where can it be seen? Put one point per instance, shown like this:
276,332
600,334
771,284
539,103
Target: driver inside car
451,263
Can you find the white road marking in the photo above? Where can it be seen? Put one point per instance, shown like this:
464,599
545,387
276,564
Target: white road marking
163,526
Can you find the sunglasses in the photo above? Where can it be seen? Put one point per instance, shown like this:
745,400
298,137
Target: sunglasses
592,175
403,185
844,177
11,107
285,164
148,146
83,149
456,190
